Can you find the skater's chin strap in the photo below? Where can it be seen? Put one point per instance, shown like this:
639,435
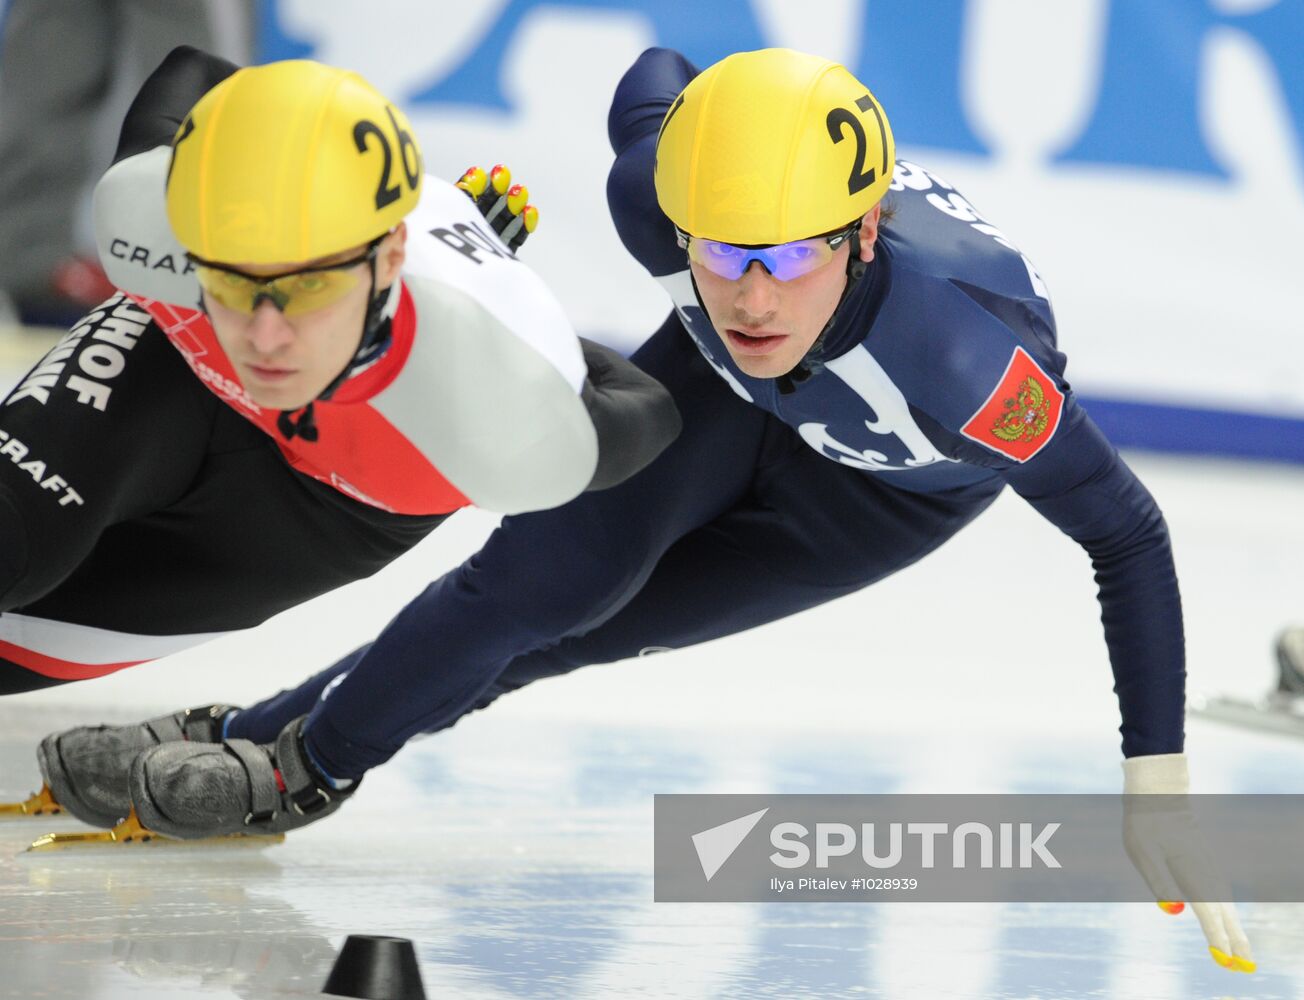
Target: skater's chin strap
812,361
304,425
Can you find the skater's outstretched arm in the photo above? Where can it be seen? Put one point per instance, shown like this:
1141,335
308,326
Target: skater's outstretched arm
633,414
1080,484
184,76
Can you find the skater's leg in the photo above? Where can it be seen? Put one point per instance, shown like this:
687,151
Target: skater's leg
260,723
75,467
543,576
813,531
806,532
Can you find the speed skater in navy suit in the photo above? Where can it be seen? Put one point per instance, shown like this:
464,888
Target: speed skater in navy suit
862,362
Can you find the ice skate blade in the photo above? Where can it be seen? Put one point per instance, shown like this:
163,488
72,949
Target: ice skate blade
38,804
129,833
1275,713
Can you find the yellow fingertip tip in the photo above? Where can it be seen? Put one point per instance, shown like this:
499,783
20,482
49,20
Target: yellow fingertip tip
473,181
1171,907
517,197
530,215
1233,962
501,178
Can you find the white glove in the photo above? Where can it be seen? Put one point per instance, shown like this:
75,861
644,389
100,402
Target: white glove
1170,852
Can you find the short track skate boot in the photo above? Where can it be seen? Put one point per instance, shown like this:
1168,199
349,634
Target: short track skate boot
87,769
195,790
1290,661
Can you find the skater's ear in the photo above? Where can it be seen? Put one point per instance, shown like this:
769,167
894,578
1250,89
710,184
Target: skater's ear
391,255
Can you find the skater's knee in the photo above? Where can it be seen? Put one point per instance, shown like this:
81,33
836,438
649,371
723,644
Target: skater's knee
531,667
33,560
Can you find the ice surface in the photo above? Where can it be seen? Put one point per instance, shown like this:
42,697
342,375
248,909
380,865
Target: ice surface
516,854
515,849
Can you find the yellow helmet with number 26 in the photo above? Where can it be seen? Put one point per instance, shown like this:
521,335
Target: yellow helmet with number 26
772,146
289,162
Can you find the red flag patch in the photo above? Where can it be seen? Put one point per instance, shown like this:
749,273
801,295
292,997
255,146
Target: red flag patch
1021,414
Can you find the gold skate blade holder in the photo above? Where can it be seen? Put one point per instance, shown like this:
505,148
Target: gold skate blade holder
37,804
129,833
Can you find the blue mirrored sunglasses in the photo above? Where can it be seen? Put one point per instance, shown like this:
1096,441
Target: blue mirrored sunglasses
783,260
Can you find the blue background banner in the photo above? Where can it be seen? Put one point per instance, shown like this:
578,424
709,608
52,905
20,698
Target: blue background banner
1149,157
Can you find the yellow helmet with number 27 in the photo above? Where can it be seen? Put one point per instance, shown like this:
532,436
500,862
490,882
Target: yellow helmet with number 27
289,162
771,146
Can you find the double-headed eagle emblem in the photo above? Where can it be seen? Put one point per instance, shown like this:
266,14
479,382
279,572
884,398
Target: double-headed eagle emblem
1026,413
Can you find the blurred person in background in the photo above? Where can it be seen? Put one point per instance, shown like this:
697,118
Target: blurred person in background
1290,661
67,67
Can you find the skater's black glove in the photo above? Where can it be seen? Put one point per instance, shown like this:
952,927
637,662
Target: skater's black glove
502,203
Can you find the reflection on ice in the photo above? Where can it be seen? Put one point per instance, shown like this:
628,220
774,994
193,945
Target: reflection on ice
538,884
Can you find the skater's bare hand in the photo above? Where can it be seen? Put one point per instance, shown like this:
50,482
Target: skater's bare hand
1168,849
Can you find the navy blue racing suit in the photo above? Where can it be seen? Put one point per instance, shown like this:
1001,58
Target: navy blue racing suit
938,384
